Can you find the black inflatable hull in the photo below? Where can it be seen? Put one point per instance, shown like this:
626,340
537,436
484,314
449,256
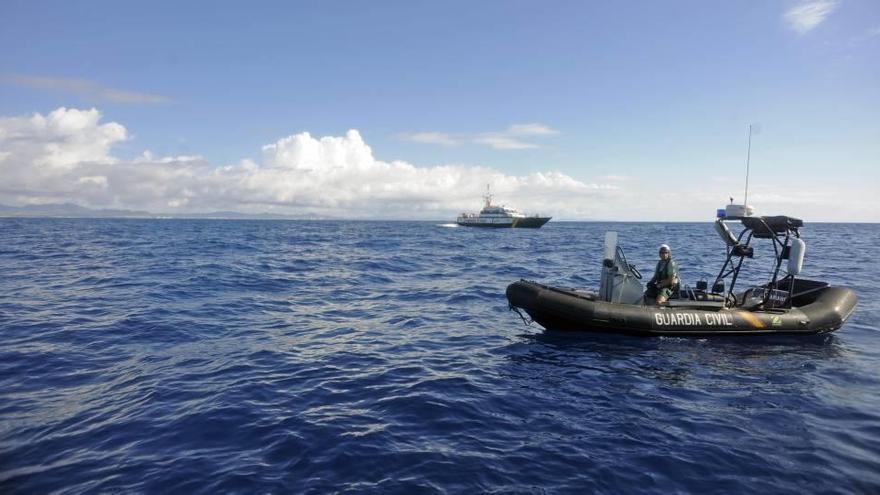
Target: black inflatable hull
564,309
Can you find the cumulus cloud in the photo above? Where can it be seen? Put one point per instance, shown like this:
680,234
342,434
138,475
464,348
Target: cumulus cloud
47,155
511,138
61,139
84,88
65,156
805,16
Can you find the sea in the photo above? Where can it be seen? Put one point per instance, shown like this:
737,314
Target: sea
218,356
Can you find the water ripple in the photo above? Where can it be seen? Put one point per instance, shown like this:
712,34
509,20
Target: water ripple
314,357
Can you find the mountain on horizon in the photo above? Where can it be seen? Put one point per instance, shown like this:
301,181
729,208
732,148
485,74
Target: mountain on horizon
70,210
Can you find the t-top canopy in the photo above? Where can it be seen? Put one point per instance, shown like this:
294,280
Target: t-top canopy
777,225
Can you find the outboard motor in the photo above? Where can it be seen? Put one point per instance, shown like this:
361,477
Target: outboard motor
620,280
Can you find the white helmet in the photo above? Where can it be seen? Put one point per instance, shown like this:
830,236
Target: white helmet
665,247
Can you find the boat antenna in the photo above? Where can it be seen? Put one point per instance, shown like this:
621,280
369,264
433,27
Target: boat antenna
488,197
748,159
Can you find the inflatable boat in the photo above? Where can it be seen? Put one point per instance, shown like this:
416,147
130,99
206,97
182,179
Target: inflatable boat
785,304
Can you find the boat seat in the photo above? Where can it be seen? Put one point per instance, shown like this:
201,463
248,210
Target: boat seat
732,242
747,302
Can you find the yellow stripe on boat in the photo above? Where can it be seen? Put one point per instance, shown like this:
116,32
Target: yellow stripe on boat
751,318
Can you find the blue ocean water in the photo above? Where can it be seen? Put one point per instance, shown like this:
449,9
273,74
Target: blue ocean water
312,357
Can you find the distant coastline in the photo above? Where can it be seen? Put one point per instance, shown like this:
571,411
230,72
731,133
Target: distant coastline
68,210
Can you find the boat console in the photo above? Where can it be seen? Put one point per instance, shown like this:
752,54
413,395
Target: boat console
620,281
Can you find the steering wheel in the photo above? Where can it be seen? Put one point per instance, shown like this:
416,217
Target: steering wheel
635,271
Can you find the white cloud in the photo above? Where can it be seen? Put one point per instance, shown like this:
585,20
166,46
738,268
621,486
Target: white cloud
66,156
98,180
40,150
806,16
509,139
531,130
84,88
502,142
431,138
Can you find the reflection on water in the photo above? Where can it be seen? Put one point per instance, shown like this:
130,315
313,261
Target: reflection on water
604,363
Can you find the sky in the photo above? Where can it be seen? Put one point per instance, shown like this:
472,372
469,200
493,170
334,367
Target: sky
583,110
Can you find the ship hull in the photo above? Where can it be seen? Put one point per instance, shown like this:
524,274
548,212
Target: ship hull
518,223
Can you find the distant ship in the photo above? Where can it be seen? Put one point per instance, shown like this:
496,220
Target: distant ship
499,217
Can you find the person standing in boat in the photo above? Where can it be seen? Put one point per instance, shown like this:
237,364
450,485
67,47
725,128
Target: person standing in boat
665,278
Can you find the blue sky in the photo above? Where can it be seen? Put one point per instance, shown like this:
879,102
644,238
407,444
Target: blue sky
591,110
